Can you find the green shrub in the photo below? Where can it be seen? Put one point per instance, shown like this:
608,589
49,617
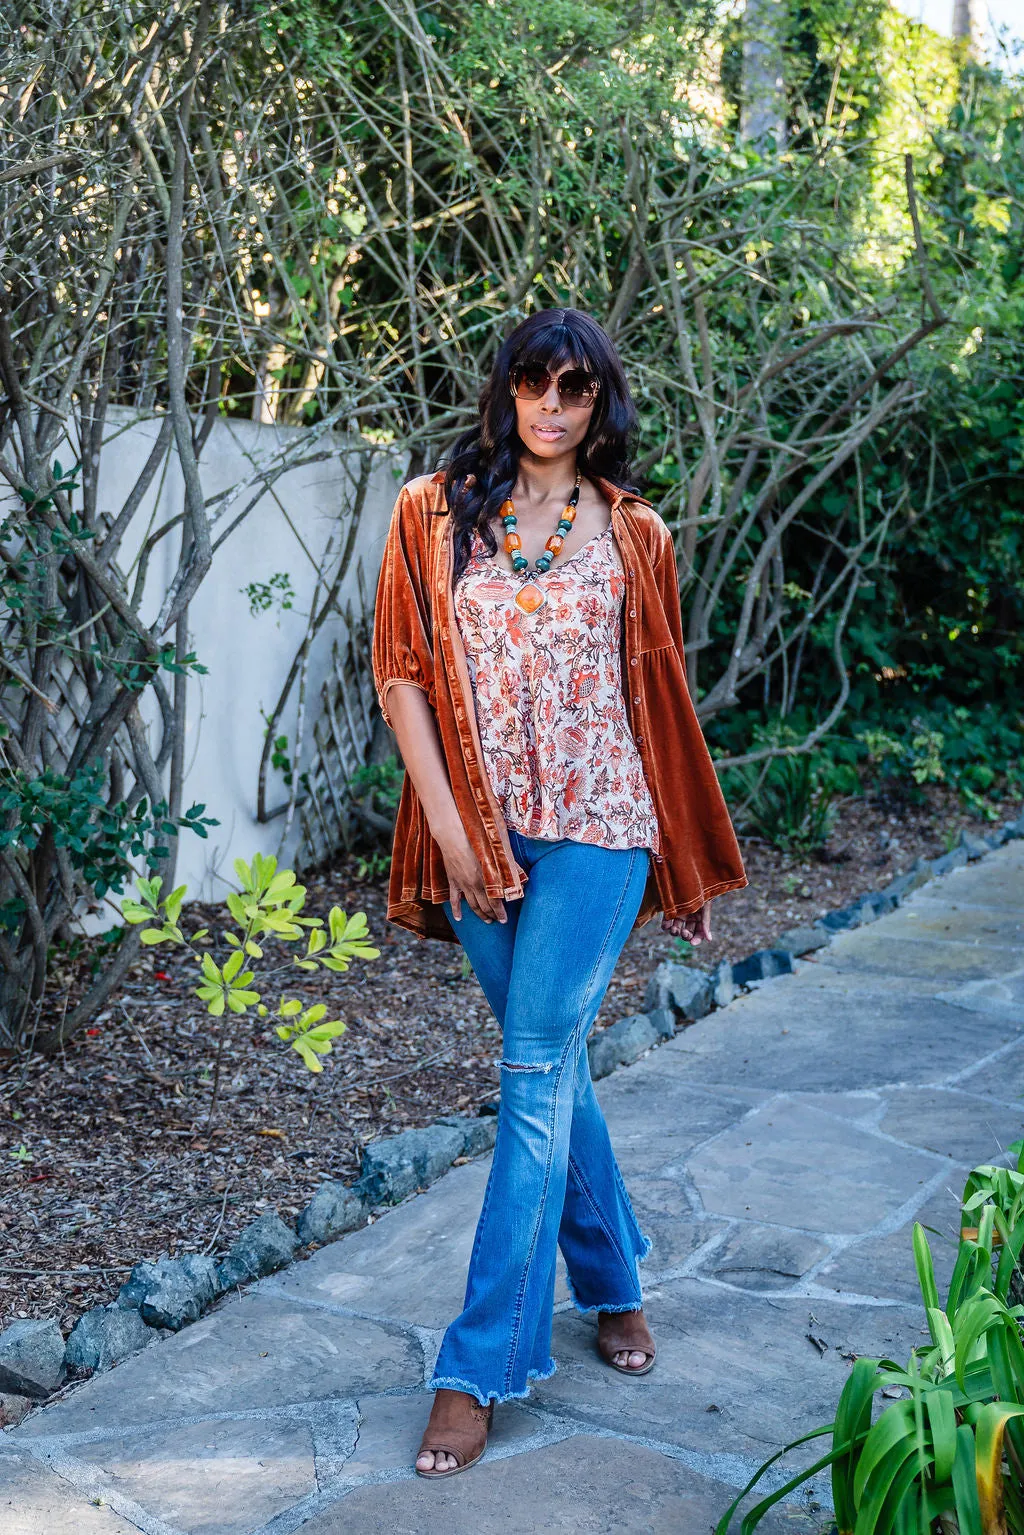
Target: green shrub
789,801
268,905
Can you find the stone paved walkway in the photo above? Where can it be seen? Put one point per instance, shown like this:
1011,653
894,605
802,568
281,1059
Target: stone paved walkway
778,1152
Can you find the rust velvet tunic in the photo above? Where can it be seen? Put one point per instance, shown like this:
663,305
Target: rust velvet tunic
416,640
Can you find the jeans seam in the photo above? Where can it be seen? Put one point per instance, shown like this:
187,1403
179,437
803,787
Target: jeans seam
570,1043
613,1241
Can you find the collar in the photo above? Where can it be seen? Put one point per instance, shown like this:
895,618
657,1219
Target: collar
612,493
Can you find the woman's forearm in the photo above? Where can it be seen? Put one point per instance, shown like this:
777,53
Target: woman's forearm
415,728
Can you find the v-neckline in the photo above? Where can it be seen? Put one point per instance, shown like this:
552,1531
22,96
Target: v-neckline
488,559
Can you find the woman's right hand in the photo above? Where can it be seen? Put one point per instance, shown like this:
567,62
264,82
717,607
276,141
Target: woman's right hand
466,878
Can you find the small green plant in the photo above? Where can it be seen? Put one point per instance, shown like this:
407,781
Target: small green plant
276,593
681,950
21,1154
790,802
918,758
99,839
375,789
948,1455
373,865
268,905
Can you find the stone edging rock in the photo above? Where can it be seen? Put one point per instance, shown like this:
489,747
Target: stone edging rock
165,1296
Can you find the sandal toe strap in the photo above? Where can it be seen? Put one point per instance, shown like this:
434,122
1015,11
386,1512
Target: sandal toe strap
619,1339
435,1447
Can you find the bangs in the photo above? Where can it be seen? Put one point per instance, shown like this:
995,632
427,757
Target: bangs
553,346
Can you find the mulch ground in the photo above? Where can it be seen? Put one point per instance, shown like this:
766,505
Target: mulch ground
114,1150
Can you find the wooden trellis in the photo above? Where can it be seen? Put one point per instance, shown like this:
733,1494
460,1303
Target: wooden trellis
342,740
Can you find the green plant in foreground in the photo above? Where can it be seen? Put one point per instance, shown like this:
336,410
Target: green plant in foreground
268,905
948,1456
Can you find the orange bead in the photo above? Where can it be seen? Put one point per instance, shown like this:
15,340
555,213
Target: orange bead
569,515
512,542
555,543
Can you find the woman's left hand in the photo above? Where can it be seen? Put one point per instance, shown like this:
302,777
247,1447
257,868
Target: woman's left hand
695,927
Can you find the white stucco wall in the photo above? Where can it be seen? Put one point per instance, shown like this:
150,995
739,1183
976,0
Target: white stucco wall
248,657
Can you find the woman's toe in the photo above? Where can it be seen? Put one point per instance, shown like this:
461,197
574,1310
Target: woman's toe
637,1360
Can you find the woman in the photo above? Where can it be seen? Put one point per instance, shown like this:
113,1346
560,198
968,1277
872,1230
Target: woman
528,654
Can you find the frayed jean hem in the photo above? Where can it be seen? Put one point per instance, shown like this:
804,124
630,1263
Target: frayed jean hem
453,1383
633,1305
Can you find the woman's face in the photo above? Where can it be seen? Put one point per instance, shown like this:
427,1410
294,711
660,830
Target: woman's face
549,428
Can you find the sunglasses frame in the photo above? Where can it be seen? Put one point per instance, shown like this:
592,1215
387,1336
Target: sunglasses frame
583,404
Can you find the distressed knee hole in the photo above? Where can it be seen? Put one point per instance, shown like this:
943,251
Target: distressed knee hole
524,1066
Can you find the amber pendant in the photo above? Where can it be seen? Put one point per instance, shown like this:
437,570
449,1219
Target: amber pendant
529,598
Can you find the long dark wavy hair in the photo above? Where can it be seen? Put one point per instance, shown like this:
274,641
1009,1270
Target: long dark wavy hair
490,450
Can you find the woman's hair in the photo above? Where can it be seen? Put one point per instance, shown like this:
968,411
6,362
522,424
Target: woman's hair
489,451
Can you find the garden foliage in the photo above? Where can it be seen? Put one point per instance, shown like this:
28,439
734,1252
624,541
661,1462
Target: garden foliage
268,906
327,219
948,1455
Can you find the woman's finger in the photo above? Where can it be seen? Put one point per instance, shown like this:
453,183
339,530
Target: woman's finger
455,897
477,898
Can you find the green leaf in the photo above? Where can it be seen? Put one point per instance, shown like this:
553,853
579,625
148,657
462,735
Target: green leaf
925,1267
942,1424
210,970
965,1483
152,935
232,965
308,1054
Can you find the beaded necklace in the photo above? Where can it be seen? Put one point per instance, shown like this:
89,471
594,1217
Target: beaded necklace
530,597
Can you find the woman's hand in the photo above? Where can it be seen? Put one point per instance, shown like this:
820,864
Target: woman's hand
466,878
415,728
695,927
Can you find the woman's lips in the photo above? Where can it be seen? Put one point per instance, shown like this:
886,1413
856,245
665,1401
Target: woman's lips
550,433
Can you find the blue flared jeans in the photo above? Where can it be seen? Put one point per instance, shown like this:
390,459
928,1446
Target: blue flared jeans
554,1181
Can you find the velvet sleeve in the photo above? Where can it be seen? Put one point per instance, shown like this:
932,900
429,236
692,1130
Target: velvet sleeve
666,574
402,629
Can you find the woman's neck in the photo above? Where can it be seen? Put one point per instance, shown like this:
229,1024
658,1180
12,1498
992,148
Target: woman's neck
544,480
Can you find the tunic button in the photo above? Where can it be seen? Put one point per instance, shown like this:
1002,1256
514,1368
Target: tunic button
639,740
632,612
633,662
636,700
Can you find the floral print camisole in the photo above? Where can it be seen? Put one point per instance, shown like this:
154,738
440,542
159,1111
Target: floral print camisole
547,685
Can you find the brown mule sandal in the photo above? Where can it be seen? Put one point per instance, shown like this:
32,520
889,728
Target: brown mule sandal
448,1433
625,1332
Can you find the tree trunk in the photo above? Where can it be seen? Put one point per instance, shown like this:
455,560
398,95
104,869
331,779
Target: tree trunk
965,25
763,106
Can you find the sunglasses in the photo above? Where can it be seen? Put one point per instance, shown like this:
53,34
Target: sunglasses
575,386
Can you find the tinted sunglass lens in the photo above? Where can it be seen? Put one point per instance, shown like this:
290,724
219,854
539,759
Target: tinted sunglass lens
531,383
577,387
